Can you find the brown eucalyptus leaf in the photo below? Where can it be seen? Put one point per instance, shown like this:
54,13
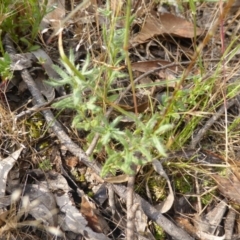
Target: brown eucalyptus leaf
140,107
88,211
165,24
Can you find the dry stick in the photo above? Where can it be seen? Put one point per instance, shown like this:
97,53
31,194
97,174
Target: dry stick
36,108
40,107
229,223
131,208
131,223
210,122
111,200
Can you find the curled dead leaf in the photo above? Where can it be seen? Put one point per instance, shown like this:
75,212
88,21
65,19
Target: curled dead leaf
168,202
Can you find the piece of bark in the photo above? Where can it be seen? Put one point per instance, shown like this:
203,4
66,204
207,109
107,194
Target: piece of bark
229,224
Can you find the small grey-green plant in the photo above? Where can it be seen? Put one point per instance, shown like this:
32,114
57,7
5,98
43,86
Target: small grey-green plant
92,90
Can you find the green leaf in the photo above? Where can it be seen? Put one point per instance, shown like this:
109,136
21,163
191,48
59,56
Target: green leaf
77,96
113,97
34,48
159,146
164,128
64,103
145,152
61,72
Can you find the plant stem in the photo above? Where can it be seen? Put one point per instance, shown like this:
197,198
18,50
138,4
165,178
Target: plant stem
125,48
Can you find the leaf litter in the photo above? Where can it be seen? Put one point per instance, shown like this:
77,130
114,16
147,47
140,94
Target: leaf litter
45,195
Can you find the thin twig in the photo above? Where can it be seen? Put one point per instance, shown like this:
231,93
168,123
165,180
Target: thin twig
131,208
130,235
40,107
111,201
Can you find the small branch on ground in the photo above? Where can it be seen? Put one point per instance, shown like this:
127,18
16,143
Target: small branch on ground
39,107
131,208
130,222
111,201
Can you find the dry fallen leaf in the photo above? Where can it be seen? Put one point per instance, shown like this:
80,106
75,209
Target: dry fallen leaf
20,61
44,88
168,73
146,66
168,202
95,221
47,64
140,107
71,161
70,217
87,210
6,165
166,23
41,203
